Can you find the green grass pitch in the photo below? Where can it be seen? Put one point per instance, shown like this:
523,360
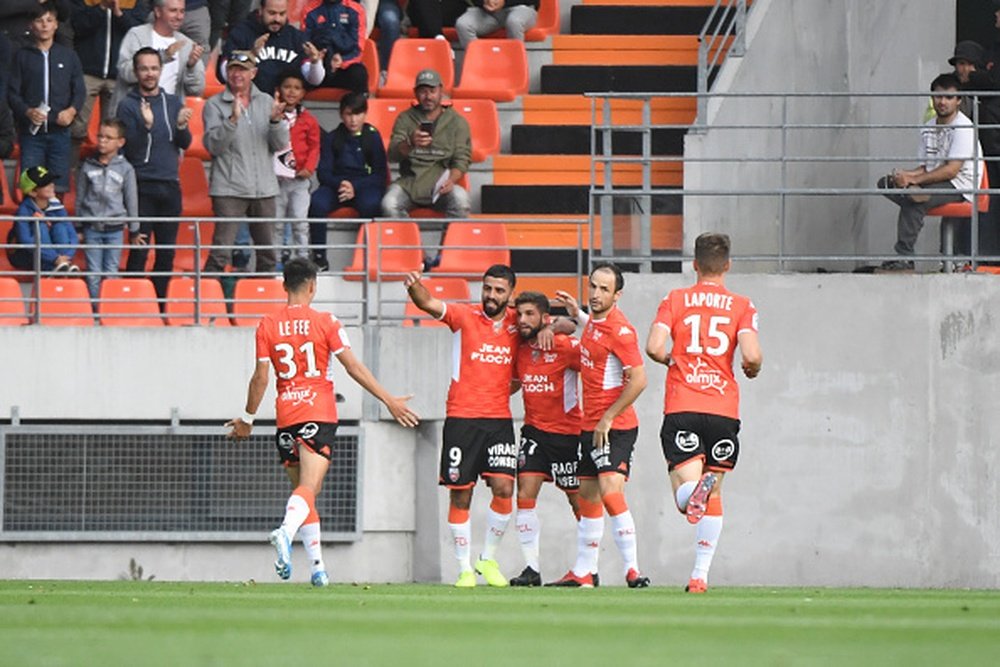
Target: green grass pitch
153,623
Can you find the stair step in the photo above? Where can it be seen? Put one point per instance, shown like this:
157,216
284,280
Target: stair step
627,50
575,170
564,199
576,110
575,140
618,78
638,20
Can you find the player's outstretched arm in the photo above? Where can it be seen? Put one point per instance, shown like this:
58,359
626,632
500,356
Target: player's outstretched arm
750,353
421,297
396,404
656,344
566,300
241,427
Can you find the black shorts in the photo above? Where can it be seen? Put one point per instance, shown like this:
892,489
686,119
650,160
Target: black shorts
686,435
554,456
317,436
614,457
474,448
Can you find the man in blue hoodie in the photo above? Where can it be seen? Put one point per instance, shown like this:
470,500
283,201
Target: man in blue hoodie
156,130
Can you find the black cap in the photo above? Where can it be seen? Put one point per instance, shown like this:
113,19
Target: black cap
967,50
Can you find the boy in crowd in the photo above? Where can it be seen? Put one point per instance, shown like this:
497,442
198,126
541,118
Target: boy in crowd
295,166
56,233
106,189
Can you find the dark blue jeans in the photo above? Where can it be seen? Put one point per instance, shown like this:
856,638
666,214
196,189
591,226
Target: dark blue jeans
50,150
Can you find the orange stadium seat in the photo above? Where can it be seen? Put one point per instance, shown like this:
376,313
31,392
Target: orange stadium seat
180,302
197,126
64,302
382,113
394,249
256,297
12,311
195,202
445,289
129,302
484,125
369,58
212,84
89,144
184,257
9,204
962,209
472,247
409,56
495,69
547,22
5,265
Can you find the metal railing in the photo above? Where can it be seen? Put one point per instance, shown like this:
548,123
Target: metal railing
723,35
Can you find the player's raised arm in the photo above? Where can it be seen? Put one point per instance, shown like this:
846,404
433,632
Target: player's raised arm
750,353
243,425
656,343
421,297
397,404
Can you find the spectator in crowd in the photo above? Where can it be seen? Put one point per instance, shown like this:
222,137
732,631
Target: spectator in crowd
56,234
433,146
105,189
183,72
5,64
488,16
243,128
337,28
352,171
224,14
295,165
948,152
156,131
7,135
388,18
99,26
198,24
276,44
16,15
968,57
46,92
431,16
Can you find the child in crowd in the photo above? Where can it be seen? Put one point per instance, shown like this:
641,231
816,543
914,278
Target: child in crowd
295,165
56,233
106,189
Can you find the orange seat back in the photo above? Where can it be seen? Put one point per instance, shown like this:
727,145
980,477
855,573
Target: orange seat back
12,311
394,249
256,297
409,56
195,201
129,302
197,126
495,69
184,258
963,209
444,289
180,302
472,247
64,302
382,113
484,125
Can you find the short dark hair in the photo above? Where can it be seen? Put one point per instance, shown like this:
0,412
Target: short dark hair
946,81
536,298
47,7
711,251
145,51
354,102
501,271
297,272
613,268
115,123
292,73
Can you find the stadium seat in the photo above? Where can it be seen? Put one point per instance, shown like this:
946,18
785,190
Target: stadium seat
472,247
184,257
5,227
128,302
547,22
382,113
495,69
484,125
195,202
64,302
394,249
409,56
255,298
369,58
89,144
951,212
9,204
212,84
180,303
12,311
197,126
445,289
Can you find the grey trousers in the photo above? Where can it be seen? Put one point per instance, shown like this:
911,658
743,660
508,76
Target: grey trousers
476,22
397,204
912,214
225,232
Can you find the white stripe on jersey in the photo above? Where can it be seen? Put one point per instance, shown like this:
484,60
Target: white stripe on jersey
456,355
612,372
570,395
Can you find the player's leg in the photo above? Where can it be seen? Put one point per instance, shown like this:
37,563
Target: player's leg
684,450
614,470
528,528
499,467
590,526
459,470
706,539
459,502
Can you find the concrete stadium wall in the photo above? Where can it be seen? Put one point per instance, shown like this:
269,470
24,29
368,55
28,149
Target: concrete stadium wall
869,450
818,46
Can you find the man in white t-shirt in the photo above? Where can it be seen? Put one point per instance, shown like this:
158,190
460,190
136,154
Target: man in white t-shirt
951,160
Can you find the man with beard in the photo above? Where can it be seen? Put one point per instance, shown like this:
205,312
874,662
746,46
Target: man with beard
277,45
156,131
478,439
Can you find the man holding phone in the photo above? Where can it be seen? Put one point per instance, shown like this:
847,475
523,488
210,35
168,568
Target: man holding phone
432,144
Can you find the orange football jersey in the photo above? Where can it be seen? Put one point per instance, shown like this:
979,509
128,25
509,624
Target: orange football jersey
549,382
607,348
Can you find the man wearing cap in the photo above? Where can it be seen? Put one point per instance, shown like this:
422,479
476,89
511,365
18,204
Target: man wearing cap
432,144
243,128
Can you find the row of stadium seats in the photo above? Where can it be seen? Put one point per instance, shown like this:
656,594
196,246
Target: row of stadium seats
132,302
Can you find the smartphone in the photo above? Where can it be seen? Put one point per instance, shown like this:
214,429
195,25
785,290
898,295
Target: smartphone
427,126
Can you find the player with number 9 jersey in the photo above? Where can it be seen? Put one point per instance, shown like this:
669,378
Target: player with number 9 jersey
704,322
300,343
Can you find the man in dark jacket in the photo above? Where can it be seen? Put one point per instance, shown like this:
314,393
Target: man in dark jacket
99,29
156,130
336,28
46,93
277,45
488,16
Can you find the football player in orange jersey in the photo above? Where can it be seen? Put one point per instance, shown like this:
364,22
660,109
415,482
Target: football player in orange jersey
704,324
300,343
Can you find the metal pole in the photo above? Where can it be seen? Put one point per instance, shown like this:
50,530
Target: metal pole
646,201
